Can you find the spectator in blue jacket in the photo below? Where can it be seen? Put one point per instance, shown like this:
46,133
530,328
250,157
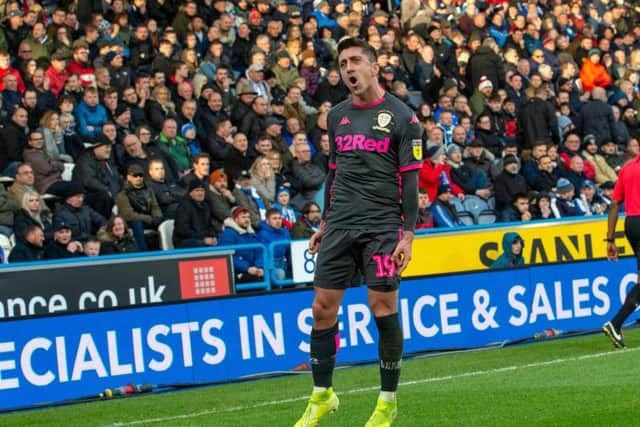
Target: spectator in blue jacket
444,214
248,264
271,230
90,114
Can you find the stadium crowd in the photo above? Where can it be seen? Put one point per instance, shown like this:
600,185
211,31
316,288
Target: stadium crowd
213,114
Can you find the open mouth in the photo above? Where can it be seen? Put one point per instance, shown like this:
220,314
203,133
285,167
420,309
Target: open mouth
353,80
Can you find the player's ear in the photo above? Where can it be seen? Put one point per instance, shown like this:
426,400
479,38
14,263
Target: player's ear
376,69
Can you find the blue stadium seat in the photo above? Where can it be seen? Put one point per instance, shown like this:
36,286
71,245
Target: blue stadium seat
457,204
487,216
466,217
475,205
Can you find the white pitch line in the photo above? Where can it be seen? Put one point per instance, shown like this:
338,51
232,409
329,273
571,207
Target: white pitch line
375,388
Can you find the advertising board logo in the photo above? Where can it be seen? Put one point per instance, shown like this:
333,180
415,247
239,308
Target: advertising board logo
204,278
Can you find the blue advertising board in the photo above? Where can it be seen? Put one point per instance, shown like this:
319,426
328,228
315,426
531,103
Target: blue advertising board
68,356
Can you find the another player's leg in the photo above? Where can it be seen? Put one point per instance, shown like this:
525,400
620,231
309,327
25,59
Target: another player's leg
613,328
384,306
325,340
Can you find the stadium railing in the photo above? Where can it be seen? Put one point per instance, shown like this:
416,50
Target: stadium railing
288,281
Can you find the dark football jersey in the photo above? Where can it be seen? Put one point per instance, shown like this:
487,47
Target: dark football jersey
371,145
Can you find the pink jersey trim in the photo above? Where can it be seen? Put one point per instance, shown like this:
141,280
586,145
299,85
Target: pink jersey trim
369,104
332,166
412,167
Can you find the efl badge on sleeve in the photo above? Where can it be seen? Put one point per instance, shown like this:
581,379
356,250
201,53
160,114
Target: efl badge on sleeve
416,146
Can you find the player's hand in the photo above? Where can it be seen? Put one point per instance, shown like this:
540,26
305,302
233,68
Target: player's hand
402,254
612,251
314,243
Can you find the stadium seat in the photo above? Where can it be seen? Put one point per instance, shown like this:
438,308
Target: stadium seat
457,204
166,234
475,205
466,217
491,202
487,216
6,245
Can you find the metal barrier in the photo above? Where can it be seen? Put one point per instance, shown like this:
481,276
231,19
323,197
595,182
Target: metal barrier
272,267
265,284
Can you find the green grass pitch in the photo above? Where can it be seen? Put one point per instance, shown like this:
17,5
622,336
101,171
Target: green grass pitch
579,381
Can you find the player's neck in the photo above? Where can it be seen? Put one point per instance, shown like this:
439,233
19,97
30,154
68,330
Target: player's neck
370,96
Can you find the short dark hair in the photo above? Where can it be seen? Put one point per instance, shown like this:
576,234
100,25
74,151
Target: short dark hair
271,211
30,229
369,51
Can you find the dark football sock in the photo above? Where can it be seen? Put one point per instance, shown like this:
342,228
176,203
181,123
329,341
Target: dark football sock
324,346
630,304
389,351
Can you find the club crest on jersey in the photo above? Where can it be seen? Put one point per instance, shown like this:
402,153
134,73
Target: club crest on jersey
416,146
383,120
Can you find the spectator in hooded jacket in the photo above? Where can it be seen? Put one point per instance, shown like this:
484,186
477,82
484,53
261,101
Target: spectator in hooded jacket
512,245
30,247
248,264
593,74
272,230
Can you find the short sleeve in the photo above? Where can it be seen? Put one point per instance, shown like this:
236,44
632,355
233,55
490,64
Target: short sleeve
410,147
618,190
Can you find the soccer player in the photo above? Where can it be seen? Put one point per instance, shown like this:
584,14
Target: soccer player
371,206
627,191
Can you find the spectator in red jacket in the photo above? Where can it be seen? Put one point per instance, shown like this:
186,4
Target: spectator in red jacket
57,73
80,63
435,164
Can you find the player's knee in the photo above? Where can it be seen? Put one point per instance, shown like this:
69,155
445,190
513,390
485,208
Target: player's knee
383,307
324,311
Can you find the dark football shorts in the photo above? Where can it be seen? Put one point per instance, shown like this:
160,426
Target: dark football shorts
632,233
345,252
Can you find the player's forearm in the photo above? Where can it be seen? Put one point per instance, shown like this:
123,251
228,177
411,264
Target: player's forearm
410,200
612,219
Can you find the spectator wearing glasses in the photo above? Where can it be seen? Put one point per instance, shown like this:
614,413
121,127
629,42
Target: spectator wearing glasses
308,223
80,64
47,171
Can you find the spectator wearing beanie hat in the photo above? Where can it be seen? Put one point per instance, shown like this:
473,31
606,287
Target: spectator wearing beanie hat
444,213
593,74
310,72
283,196
479,101
222,199
509,183
193,227
564,204
188,132
475,183
433,167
